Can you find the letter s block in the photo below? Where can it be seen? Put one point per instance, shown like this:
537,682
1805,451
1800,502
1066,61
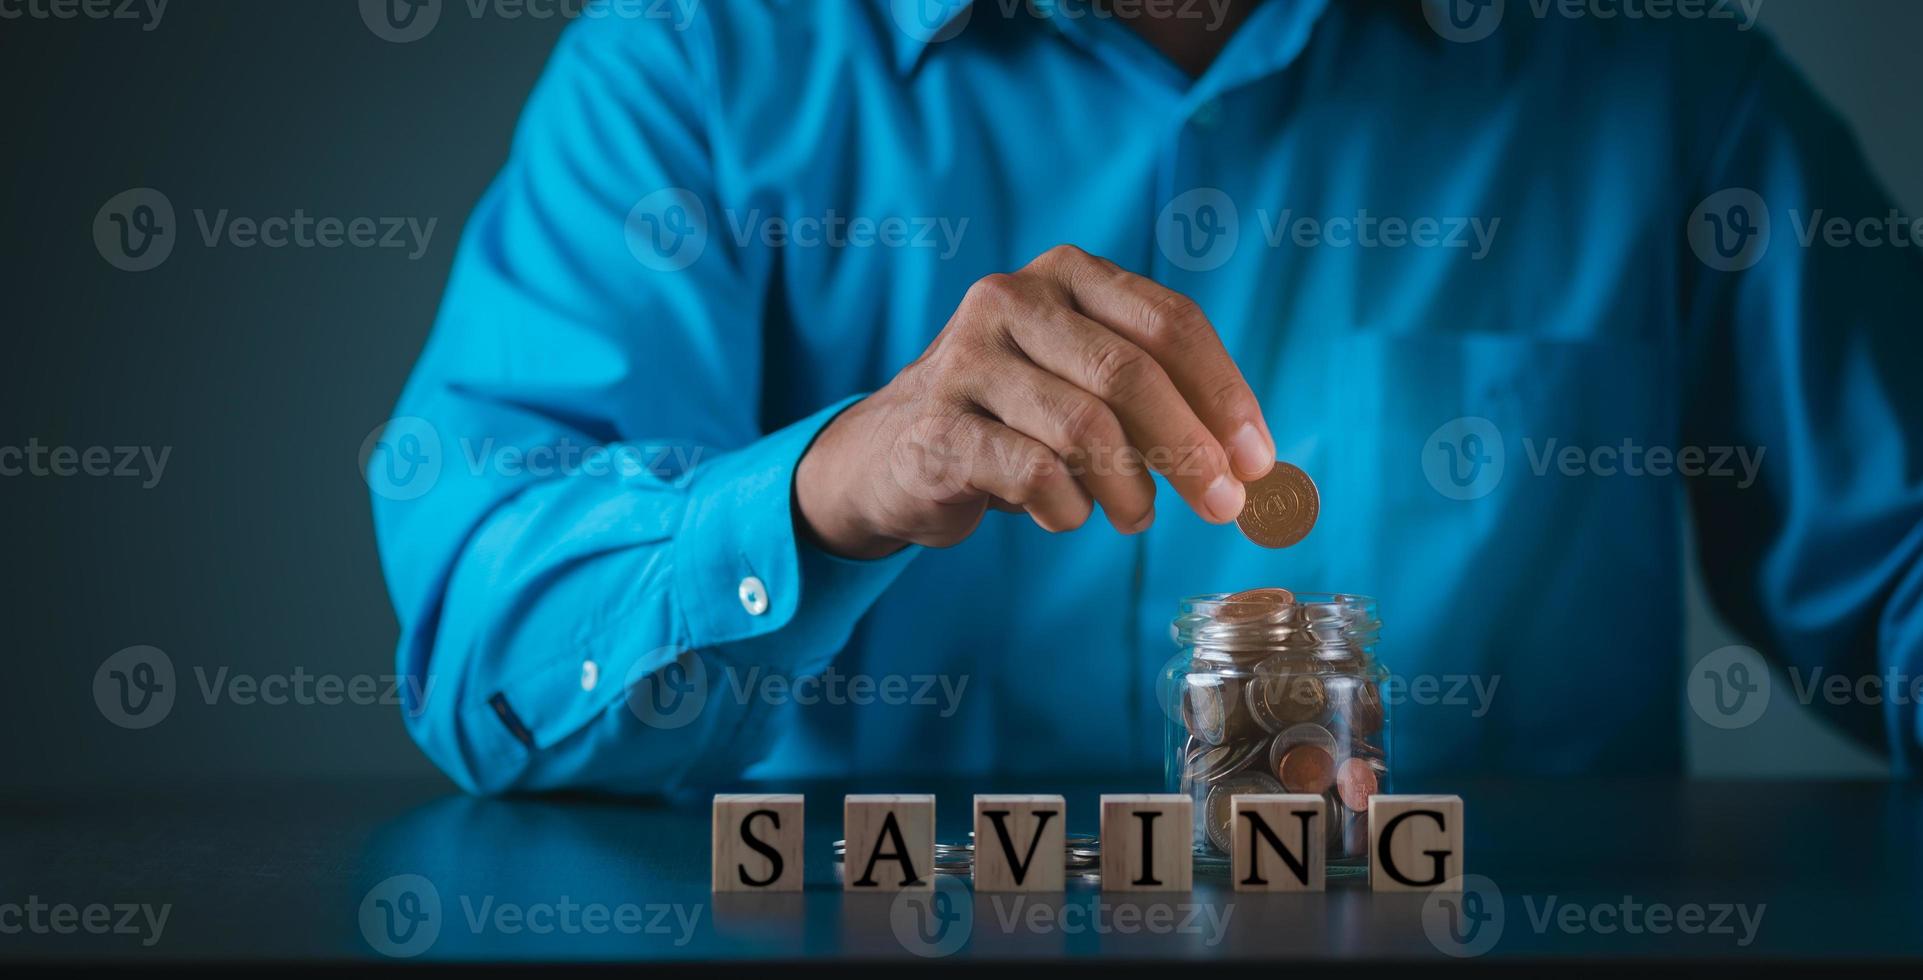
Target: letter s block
1415,843
757,842
891,842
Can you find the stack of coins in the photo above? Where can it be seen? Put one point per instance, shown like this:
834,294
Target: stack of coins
1302,714
1082,854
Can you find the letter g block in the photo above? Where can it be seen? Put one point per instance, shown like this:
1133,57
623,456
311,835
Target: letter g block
1415,843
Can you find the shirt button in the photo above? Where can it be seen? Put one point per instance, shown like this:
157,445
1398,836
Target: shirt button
590,675
1208,113
754,596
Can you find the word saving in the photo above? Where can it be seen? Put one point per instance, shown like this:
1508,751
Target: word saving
1280,842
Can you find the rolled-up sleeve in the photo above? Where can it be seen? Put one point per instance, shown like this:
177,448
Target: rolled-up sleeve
596,515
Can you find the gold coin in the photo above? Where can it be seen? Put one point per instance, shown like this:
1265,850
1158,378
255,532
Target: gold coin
1282,507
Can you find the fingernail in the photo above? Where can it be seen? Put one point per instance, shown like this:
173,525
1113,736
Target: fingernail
1141,525
1224,498
1251,452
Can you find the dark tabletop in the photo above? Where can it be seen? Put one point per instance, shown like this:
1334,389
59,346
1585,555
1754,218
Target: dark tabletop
1587,869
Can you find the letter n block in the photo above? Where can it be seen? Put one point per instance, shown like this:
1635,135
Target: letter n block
1146,842
1415,843
757,842
1280,842
891,842
1020,843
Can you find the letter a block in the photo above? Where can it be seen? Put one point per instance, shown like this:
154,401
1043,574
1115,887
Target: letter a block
1020,843
891,842
1280,842
1415,843
1146,842
757,842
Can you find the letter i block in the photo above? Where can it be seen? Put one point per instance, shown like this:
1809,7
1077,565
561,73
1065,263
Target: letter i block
1146,842
891,842
1280,842
757,842
1020,843
1415,843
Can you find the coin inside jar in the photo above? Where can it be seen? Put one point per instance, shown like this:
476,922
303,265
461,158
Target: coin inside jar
1212,763
1307,733
1363,709
1218,810
1254,606
1281,507
1306,769
1202,710
1355,782
1213,709
1280,698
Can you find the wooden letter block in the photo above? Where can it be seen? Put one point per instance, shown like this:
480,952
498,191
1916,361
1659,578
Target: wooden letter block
1020,843
1415,843
1280,842
757,842
891,842
1146,842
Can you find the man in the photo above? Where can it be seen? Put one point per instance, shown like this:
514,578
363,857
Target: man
839,282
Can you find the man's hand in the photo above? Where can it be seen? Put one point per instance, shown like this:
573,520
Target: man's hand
1046,392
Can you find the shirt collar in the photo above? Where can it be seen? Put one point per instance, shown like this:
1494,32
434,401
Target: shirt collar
921,24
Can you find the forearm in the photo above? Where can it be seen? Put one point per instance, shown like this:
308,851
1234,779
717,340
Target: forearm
592,632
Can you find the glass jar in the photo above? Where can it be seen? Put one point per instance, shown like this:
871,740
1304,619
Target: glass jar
1277,693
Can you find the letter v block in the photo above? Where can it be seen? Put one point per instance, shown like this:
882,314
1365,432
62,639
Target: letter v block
1020,843
757,842
891,842
1146,842
1415,843
1281,842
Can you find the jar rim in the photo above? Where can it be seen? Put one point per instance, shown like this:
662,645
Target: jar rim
1323,622
1210,602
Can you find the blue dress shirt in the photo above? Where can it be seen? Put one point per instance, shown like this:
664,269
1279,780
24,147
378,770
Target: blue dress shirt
1510,299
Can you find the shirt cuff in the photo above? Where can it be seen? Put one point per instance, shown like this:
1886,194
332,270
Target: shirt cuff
742,570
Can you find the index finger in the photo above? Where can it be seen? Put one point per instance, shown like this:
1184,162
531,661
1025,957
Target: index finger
1173,330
